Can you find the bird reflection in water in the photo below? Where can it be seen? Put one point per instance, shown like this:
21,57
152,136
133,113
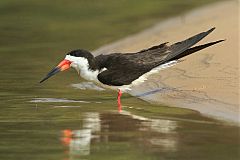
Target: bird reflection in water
154,135
78,141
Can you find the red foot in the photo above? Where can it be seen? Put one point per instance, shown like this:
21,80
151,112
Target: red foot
119,100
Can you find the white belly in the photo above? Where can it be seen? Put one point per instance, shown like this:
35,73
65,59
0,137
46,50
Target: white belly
141,79
144,77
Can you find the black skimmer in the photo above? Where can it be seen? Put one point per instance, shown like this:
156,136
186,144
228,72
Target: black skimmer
121,71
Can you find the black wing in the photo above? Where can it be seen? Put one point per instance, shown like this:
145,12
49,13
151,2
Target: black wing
122,69
163,53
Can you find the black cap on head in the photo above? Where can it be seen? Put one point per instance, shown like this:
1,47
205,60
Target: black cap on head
81,53
86,54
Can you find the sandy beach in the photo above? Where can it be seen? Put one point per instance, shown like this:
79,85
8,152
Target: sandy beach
207,81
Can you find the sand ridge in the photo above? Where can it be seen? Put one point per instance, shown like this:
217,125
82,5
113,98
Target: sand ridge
207,81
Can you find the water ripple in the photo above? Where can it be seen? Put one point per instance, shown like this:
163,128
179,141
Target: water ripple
55,100
87,85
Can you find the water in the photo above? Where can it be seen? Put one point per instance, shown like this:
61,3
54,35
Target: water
69,119
92,128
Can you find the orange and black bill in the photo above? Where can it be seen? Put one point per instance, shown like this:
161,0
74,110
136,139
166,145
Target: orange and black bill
64,65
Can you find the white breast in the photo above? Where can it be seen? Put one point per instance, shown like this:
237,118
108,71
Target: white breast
82,66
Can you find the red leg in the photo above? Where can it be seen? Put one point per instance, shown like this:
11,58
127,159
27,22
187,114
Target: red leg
119,100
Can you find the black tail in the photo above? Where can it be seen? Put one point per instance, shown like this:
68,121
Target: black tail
180,47
194,49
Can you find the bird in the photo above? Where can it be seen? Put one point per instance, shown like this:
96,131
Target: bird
121,71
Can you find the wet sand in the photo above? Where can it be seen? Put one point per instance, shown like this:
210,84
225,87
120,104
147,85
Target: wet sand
207,81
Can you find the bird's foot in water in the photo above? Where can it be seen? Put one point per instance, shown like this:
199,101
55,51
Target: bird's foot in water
119,100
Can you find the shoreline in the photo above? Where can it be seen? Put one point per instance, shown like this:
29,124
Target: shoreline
206,81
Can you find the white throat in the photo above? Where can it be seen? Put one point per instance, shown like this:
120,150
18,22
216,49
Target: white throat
82,66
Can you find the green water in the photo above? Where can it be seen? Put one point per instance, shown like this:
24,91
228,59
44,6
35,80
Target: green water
57,121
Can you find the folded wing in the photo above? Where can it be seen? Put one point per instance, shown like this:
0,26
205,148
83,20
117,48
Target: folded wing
122,69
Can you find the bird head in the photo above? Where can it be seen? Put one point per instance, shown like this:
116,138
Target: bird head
76,59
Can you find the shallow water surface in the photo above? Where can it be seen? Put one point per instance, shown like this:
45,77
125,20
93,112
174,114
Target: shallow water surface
55,128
